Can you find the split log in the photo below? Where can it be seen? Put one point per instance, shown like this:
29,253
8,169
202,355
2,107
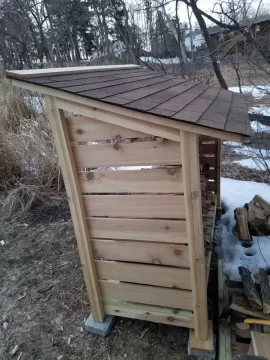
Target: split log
241,217
258,216
240,304
265,290
238,287
250,288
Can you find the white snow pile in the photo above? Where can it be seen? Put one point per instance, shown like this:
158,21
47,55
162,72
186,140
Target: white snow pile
258,127
235,194
258,92
167,61
252,163
260,110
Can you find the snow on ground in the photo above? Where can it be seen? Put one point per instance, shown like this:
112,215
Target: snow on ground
258,127
261,110
257,92
236,193
257,164
154,60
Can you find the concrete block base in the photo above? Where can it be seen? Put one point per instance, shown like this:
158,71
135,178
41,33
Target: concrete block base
100,328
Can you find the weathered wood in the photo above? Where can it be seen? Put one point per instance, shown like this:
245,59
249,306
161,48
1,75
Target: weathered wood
145,294
134,154
60,133
218,170
141,252
241,216
258,214
135,206
166,231
241,304
164,276
250,288
152,313
261,344
191,177
164,181
265,290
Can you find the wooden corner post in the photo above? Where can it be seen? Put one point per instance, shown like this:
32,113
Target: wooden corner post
192,191
64,151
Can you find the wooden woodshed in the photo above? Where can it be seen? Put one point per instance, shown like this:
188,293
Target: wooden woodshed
140,156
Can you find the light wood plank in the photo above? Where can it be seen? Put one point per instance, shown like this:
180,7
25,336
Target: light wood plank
141,252
89,107
261,344
197,345
133,154
58,125
151,295
135,206
191,176
82,128
164,181
160,315
24,74
171,231
144,274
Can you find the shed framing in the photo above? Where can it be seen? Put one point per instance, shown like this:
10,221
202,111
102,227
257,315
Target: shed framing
140,233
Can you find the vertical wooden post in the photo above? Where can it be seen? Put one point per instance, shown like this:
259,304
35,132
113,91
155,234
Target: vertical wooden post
64,151
192,192
219,144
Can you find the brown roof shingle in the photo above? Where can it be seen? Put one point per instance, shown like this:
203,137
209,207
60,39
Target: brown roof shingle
159,94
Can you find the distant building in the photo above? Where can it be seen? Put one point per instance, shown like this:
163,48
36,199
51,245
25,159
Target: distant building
116,48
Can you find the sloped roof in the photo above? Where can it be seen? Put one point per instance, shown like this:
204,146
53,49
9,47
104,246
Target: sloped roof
154,93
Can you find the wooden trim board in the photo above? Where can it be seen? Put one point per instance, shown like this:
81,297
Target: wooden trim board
157,275
87,107
192,190
145,294
151,313
141,252
170,231
133,154
58,126
135,206
166,181
24,74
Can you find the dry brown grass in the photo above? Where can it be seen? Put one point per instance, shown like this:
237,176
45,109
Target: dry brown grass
29,171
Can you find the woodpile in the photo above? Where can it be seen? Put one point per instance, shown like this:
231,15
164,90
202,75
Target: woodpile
253,219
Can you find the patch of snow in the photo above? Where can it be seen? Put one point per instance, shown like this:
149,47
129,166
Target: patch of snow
249,163
231,143
236,193
154,60
261,110
258,127
258,92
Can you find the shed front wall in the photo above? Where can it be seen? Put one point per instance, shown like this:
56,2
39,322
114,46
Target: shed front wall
132,189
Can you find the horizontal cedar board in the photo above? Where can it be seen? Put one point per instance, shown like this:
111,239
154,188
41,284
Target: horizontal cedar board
132,154
152,295
135,206
209,160
157,275
171,231
208,148
133,181
82,128
141,252
158,314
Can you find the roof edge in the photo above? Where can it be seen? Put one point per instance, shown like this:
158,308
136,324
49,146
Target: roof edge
24,74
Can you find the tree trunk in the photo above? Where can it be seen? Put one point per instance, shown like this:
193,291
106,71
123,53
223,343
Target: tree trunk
208,41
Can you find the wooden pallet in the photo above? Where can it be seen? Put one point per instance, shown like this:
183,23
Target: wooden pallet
209,223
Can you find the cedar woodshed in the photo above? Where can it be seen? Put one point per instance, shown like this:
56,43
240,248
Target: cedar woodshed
144,235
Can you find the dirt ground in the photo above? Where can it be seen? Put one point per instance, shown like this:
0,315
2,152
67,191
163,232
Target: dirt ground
43,303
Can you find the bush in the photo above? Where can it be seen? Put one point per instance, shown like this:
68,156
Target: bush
29,171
